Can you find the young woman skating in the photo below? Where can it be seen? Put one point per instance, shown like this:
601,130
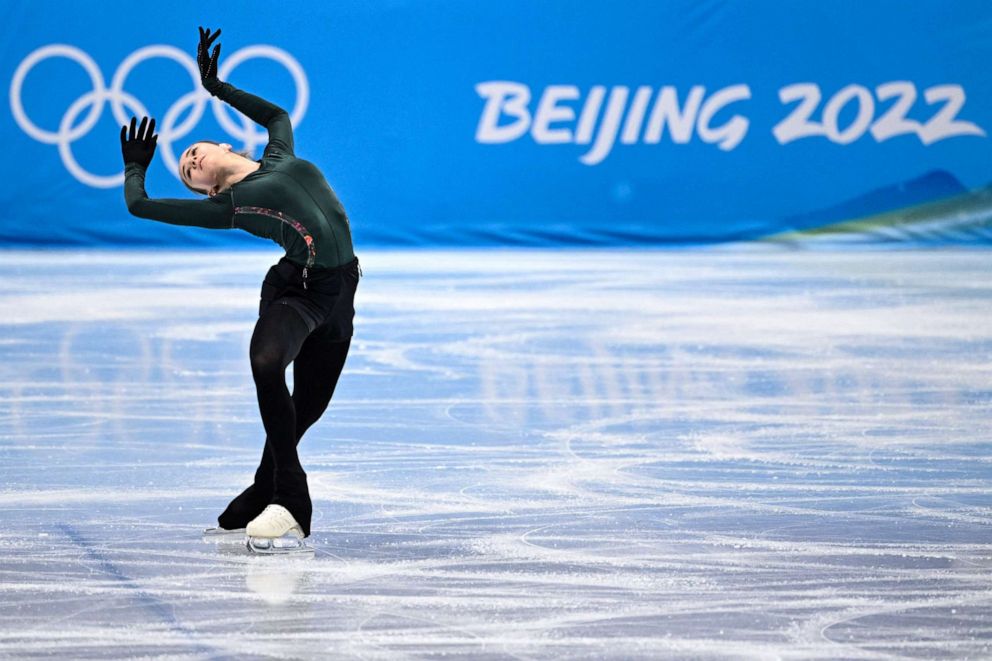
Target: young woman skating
307,298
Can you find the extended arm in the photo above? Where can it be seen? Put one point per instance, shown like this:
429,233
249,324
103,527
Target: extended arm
138,148
257,109
213,213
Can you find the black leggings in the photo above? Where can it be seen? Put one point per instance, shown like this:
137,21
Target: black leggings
282,337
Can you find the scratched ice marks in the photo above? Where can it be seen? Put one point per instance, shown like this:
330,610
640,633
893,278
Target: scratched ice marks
698,454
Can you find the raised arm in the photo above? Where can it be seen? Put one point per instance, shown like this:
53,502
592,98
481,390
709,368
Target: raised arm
138,148
257,109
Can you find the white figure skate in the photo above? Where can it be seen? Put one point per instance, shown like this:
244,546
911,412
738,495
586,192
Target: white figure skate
275,531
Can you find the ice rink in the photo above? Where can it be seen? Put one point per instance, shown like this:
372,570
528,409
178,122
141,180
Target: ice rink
702,454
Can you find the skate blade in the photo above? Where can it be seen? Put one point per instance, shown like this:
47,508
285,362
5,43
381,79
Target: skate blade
223,534
286,545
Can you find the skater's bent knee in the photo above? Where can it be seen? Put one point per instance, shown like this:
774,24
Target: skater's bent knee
266,362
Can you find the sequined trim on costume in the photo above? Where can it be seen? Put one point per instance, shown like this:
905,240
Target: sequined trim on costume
292,222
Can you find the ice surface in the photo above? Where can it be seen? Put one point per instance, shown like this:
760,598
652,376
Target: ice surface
696,454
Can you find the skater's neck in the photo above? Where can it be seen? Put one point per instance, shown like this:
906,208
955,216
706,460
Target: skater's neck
235,169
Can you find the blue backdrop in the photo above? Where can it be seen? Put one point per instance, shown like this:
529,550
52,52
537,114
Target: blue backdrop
519,122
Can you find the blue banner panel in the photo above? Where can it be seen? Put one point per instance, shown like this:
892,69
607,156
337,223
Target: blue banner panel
521,122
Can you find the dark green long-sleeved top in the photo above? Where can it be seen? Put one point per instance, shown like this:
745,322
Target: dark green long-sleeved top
286,200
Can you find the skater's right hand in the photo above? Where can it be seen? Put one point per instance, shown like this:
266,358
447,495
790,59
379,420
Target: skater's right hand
206,61
139,147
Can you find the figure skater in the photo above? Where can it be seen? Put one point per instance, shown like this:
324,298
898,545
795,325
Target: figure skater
307,298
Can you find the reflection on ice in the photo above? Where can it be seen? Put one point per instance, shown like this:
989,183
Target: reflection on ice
703,454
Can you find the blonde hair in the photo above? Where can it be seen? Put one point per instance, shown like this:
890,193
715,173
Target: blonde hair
244,153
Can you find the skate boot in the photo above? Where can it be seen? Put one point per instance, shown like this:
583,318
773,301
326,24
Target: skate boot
245,507
275,531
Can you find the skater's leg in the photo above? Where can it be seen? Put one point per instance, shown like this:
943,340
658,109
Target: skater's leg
279,335
316,370
315,375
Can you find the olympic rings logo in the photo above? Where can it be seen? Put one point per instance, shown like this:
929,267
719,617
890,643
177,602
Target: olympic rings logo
120,100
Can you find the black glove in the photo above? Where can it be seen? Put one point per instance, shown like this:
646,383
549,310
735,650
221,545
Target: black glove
206,61
139,147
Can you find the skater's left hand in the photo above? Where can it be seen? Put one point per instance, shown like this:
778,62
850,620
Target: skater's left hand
139,147
205,61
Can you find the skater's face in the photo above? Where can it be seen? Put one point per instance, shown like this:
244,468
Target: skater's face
200,166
